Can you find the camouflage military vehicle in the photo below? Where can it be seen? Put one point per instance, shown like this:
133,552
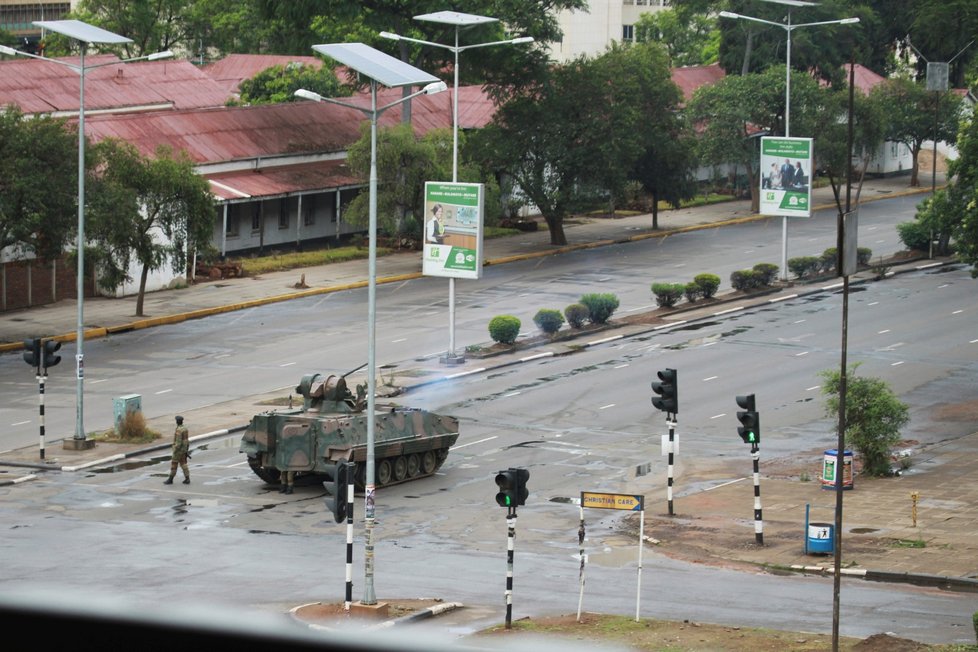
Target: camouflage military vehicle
409,443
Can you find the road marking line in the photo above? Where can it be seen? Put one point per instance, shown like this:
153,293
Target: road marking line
512,394
897,364
812,388
164,391
710,378
728,310
286,364
724,484
20,423
717,416
621,366
605,407
957,312
802,353
403,339
887,330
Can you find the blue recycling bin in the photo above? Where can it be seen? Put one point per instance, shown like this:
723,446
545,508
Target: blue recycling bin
821,539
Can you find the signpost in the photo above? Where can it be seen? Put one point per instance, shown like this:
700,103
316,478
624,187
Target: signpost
453,229
626,502
786,172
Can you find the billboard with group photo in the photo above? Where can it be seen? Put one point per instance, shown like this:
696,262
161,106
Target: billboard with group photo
786,173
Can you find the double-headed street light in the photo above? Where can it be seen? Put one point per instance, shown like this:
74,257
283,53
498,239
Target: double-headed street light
788,27
459,20
379,68
85,35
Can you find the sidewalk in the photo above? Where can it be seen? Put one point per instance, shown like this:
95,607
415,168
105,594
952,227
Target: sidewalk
714,521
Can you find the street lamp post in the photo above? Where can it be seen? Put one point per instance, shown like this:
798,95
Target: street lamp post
383,69
85,35
459,20
788,27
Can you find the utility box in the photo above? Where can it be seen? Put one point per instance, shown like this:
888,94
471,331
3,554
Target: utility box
123,405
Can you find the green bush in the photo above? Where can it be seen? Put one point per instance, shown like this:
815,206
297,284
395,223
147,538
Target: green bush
709,284
827,261
577,315
974,623
504,329
744,279
548,320
863,255
600,307
766,273
804,266
914,235
668,294
693,291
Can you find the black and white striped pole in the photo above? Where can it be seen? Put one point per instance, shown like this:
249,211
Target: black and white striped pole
349,538
510,547
40,389
666,398
750,432
670,462
755,453
512,491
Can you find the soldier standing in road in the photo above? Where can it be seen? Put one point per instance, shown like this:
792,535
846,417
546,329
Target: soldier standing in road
181,452
286,482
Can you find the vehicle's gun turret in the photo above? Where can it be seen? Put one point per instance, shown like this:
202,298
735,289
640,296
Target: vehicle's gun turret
329,393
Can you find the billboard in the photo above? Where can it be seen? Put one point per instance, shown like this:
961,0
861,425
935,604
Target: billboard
452,229
786,169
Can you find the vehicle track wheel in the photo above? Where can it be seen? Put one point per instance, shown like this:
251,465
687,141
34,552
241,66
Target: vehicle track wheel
413,465
400,468
428,462
384,472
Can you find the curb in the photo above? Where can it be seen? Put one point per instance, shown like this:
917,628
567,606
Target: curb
109,459
945,582
420,615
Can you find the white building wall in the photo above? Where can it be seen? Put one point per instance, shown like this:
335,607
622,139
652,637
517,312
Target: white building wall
591,32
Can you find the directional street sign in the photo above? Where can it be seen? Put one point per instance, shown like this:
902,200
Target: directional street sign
626,502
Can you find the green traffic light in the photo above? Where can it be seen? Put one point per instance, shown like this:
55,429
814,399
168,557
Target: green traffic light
751,437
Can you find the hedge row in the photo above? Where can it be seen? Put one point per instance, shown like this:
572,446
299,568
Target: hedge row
595,308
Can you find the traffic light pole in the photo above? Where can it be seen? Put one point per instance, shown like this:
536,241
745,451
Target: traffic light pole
580,542
40,389
755,454
349,543
510,547
669,465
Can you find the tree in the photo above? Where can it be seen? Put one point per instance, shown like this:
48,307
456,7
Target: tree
690,38
635,114
733,112
749,46
915,115
958,206
148,211
606,107
403,165
38,183
665,169
153,25
944,30
306,22
873,416
832,156
279,83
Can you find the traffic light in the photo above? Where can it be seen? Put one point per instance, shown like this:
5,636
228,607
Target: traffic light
339,476
50,349
32,352
667,389
750,421
512,487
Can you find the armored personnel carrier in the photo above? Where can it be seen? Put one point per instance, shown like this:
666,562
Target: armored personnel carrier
331,425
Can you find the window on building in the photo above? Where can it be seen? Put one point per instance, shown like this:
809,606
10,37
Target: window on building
256,217
627,32
234,221
309,210
283,213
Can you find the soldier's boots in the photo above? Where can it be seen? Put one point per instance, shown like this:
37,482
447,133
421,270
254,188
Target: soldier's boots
288,489
168,480
186,480
283,488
